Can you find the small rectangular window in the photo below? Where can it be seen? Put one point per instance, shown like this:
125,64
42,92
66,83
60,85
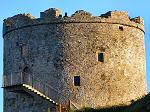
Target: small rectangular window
76,80
101,57
121,28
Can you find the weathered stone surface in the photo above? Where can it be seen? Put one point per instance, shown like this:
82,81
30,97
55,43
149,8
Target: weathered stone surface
23,102
57,48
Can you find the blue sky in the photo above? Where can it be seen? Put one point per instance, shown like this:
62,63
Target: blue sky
135,8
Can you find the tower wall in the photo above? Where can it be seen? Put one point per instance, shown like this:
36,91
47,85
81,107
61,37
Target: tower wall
56,48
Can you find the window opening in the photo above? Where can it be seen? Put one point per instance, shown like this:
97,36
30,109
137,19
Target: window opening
76,80
121,28
101,57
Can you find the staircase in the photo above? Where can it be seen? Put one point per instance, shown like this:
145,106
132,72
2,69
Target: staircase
73,106
32,84
39,93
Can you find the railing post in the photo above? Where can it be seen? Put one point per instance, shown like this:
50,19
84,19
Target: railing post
60,107
11,79
44,88
21,78
29,78
48,109
69,106
32,80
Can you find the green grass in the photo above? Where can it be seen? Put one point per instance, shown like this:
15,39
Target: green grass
141,105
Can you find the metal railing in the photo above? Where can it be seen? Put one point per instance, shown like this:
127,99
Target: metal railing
36,83
31,80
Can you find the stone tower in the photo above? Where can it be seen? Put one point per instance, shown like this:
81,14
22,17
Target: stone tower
83,60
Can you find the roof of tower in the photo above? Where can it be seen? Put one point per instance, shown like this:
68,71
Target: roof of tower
54,15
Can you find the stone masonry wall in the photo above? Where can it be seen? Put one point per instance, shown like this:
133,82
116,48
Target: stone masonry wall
57,48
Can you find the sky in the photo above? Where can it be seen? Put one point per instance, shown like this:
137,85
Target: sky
135,8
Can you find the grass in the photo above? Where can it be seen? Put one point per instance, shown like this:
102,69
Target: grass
141,105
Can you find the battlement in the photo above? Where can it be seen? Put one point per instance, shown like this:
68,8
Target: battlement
53,15
123,15
81,13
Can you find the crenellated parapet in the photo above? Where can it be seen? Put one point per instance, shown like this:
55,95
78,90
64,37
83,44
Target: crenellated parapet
53,15
81,14
17,21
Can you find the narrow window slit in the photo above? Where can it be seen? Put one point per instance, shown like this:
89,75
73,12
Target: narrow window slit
101,57
76,80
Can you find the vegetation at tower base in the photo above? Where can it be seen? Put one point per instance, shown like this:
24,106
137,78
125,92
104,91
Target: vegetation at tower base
141,105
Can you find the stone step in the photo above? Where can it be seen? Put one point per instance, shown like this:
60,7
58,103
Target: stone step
39,93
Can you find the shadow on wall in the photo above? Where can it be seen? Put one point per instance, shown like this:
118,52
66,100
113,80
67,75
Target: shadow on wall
141,105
